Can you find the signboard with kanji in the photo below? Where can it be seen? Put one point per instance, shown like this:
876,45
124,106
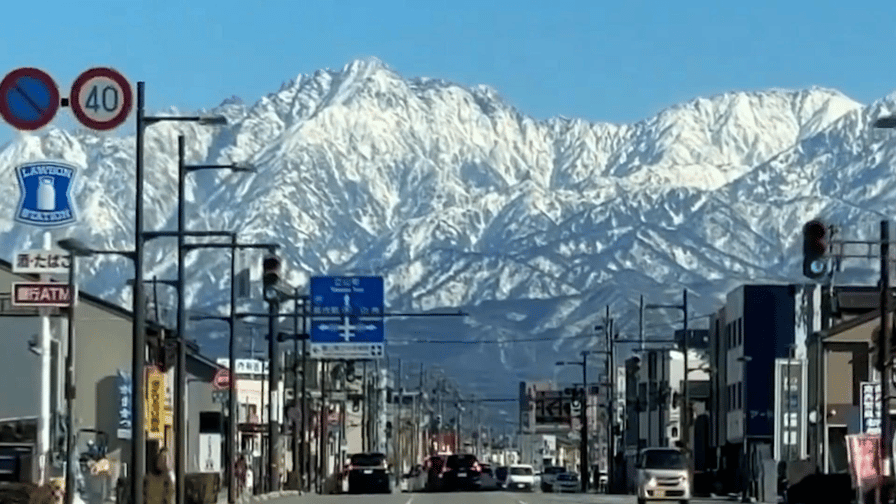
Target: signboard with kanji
41,294
41,261
790,411
870,407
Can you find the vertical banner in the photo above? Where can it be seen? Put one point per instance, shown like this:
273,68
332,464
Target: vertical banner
870,407
125,411
790,409
210,453
863,451
155,404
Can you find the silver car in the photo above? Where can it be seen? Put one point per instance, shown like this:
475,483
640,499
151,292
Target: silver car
663,474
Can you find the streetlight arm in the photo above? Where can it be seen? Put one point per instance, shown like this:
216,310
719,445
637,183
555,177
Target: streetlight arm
205,120
233,167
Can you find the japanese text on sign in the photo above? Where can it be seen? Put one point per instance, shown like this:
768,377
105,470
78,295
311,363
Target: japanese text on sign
41,261
871,398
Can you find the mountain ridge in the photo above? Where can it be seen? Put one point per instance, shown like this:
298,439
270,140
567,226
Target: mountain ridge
462,201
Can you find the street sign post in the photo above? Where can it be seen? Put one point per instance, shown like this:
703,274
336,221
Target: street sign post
42,262
45,198
41,294
347,318
101,98
29,99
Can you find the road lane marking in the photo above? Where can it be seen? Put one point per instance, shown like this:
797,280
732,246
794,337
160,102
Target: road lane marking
410,500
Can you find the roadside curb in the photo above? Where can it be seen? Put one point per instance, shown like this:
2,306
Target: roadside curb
252,499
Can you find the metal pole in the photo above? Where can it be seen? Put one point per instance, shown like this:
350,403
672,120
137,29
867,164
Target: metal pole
180,409
306,459
686,410
324,424
884,355
70,383
583,458
745,477
297,428
641,322
231,382
610,393
273,388
397,428
138,350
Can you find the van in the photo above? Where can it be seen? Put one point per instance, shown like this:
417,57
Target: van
663,474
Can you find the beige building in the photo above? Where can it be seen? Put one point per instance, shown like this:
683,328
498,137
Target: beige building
101,406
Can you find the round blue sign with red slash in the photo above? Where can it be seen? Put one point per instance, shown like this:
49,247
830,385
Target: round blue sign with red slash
101,98
29,99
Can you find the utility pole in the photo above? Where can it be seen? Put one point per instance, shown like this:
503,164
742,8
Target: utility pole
397,429
884,355
686,410
583,458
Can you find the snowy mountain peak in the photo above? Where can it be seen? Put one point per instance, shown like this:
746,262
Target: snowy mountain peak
462,201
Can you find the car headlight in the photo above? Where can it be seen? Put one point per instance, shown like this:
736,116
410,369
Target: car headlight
651,481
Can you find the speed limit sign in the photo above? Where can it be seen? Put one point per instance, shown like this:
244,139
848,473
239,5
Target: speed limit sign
101,98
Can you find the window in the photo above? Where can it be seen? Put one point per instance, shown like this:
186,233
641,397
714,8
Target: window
740,331
740,397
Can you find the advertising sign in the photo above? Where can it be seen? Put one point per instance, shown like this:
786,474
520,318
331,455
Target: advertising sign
863,452
155,404
41,294
246,366
43,262
790,409
125,412
45,189
870,407
210,453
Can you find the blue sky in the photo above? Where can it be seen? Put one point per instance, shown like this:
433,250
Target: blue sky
603,61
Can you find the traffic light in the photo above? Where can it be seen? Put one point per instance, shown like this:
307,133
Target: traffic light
815,249
270,270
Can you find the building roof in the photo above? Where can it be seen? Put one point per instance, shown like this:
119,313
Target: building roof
198,364
852,323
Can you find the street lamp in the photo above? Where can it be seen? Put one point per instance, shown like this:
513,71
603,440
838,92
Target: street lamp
75,248
686,407
138,356
583,458
745,481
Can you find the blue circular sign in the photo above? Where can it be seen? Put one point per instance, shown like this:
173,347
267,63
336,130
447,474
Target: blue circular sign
29,99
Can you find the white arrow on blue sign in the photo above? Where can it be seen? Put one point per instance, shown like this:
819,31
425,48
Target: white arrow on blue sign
345,310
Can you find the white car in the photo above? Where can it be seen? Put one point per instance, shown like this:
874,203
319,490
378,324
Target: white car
663,474
521,477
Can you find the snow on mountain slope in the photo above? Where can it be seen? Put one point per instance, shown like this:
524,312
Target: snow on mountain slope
463,202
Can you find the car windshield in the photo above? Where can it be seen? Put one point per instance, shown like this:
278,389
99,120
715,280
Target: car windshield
664,459
566,477
554,470
368,459
521,471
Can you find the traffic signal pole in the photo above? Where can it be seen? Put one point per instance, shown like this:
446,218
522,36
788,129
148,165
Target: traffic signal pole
884,356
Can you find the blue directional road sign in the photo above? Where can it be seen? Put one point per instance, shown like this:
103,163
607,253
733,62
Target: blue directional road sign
347,317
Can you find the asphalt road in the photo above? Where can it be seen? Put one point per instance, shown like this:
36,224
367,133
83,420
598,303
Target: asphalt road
470,498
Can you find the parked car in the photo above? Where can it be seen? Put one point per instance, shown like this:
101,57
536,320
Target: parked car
501,473
521,477
435,467
663,474
566,482
547,476
463,473
369,473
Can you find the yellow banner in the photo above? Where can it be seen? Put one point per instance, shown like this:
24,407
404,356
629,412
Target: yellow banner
155,405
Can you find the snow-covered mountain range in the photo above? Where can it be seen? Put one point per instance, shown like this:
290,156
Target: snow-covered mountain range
462,201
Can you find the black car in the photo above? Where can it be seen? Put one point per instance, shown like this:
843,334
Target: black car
435,470
369,473
463,473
